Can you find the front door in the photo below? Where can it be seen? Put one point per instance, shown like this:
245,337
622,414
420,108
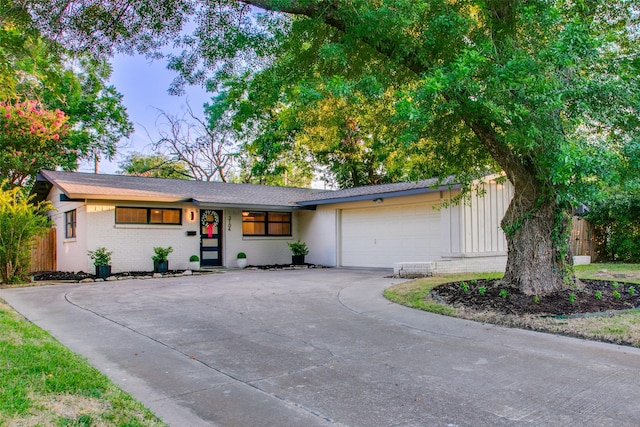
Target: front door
210,237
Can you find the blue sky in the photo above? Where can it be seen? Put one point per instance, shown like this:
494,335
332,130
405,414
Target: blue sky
144,85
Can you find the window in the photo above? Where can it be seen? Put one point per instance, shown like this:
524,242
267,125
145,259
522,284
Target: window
70,224
148,216
266,223
131,216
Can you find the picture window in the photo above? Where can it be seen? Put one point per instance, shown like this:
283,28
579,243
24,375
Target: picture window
148,216
266,223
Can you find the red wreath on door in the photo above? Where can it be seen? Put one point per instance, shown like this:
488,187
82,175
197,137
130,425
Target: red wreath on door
204,220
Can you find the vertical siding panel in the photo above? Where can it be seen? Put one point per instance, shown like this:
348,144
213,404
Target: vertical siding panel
485,226
501,207
478,224
495,218
468,240
446,230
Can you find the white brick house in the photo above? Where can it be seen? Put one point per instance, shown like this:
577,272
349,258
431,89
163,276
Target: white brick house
374,226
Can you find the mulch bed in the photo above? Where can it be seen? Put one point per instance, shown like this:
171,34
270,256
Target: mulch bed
80,275
54,276
591,296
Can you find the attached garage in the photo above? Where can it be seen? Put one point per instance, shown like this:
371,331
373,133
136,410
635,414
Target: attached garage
380,236
406,225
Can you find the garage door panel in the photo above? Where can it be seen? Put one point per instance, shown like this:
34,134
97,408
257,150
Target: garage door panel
380,237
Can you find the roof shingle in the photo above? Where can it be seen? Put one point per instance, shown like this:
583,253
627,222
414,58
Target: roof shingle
77,185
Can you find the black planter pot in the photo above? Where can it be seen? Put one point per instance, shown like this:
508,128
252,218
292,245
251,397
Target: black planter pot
103,271
297,259
160,266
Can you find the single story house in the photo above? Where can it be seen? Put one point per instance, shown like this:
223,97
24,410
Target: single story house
382,226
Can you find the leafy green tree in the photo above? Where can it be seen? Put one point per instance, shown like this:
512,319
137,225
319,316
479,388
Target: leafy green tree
154,165
546,91
33,67
20,223
616,220
32,138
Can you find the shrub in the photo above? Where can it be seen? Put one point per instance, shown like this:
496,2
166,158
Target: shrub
298,248
616,222
20,223
100,256
161,253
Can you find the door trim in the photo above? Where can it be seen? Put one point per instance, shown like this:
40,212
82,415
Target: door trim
211,218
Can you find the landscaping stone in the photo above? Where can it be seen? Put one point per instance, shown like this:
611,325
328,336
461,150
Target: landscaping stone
156,275
87,280
111,279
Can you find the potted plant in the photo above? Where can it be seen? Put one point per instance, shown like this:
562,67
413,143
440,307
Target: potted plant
241,260
160,260
194,263
102,261
298,250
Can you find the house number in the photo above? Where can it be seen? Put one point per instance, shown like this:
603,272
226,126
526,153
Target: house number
209,217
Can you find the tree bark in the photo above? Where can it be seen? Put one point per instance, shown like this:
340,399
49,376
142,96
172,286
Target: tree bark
539,259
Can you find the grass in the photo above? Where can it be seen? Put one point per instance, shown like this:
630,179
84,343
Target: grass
592,271
621,328
44,384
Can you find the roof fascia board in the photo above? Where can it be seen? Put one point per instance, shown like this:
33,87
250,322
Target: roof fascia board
204,205
250,206
95,197
401,193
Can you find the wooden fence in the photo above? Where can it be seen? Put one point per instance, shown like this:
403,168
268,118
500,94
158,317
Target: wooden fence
582,242
43,253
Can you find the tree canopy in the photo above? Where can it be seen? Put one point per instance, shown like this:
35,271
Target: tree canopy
153,165
546,91
37,71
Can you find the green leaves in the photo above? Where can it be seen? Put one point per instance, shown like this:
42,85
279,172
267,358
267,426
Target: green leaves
20,224
32,138
40,69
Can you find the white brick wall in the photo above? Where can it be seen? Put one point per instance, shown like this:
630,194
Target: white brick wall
132,244
72,253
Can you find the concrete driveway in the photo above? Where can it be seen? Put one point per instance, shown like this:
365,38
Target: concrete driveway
322,347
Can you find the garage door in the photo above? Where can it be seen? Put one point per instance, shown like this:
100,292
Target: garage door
381,236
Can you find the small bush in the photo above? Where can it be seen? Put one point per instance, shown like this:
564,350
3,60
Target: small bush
20,223
616,222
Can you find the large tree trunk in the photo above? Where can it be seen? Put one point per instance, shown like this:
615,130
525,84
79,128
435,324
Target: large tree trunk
539,257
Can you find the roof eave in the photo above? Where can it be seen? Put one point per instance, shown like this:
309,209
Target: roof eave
109,197
380,195
251,206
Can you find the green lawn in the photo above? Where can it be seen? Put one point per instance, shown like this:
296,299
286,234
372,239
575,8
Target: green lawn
621,328
44,384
